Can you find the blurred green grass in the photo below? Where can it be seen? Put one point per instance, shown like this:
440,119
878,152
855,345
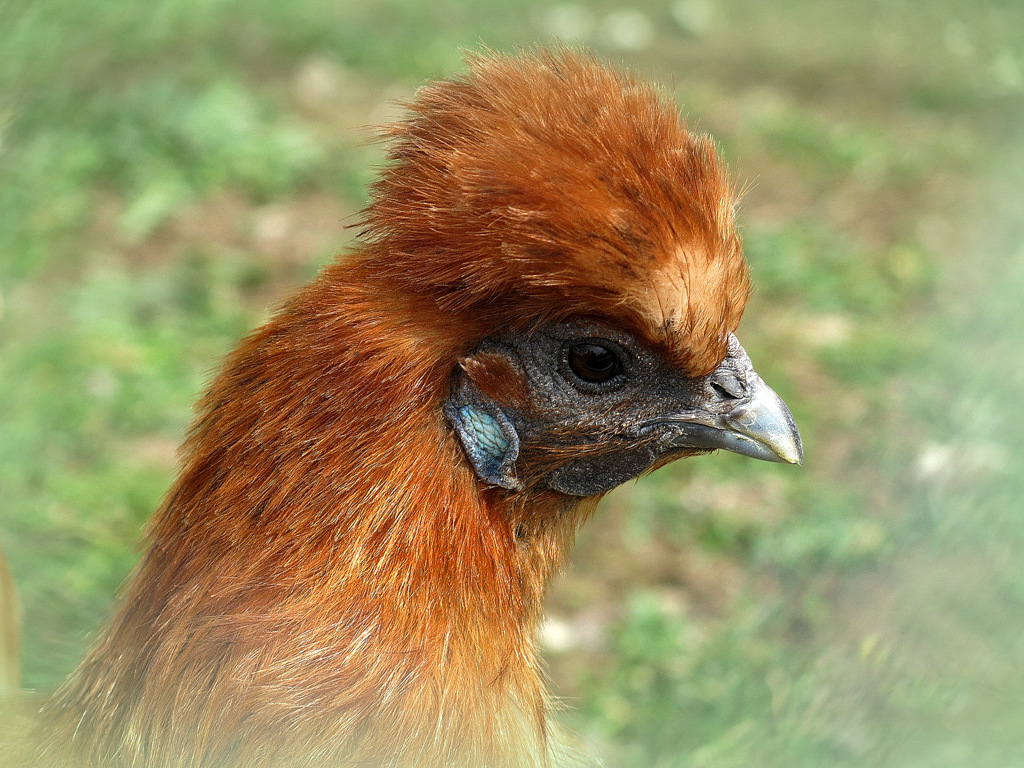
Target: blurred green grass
169,170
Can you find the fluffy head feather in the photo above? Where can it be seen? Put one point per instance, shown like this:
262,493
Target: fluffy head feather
544,187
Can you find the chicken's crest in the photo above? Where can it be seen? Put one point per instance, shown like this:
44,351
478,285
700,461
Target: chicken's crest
548,186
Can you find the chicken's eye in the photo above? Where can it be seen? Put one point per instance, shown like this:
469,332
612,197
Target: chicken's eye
593,363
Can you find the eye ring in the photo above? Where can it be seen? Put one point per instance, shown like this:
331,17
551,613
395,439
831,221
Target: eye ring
593,363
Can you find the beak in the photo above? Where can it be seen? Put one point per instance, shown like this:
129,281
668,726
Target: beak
740,413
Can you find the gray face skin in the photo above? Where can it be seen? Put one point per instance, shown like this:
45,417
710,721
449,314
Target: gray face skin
602,409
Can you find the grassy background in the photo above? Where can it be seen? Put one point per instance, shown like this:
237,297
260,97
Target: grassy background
169,170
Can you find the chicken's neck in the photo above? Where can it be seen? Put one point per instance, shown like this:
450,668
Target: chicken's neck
327,580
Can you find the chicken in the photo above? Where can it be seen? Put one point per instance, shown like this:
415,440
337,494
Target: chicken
350,567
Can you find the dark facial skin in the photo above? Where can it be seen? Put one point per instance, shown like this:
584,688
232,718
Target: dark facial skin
594,408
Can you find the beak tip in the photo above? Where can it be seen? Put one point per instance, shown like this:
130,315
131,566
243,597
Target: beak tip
793,454
768,421
789,447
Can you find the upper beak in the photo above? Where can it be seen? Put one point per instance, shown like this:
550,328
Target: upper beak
742,414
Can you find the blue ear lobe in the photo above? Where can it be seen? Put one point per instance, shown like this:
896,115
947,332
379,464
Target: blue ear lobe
490,441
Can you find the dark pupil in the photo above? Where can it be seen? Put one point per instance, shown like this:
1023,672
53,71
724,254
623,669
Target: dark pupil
594,363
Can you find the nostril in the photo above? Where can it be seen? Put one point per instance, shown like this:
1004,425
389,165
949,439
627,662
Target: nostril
721,391
728,387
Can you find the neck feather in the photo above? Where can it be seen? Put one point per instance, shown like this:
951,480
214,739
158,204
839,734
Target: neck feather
327,580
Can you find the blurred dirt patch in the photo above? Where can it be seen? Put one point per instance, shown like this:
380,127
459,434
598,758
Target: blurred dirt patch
286,239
